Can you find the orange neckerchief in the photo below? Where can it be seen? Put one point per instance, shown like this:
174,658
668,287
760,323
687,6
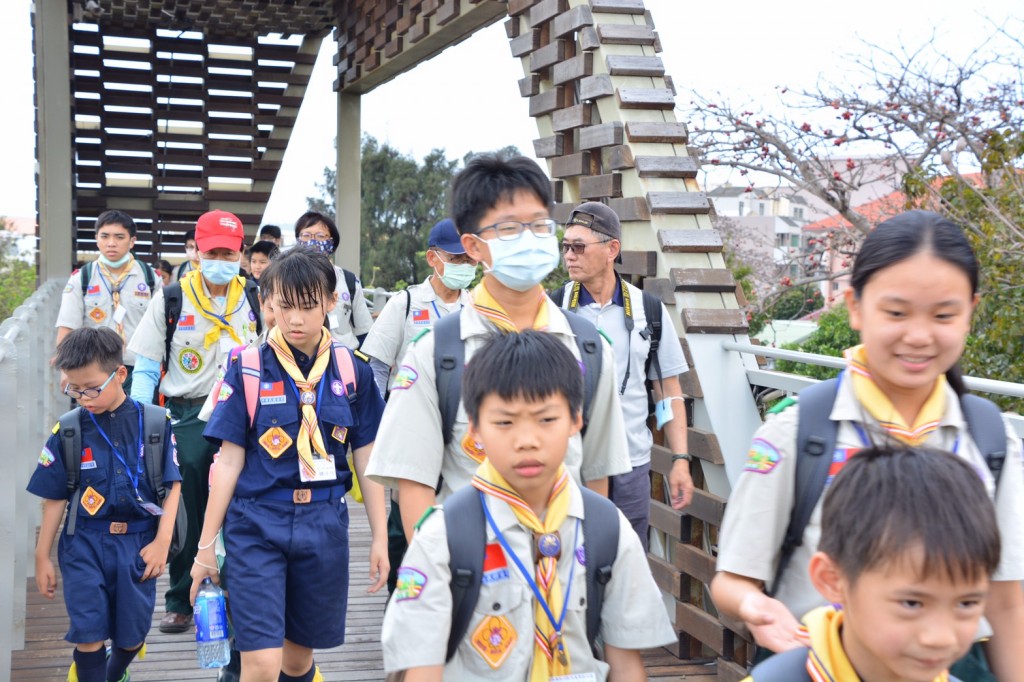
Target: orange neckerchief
487,306
878,405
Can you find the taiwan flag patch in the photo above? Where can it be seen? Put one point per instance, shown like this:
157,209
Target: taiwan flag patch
87,460
93,290
272,393
421,316
495,565
187,323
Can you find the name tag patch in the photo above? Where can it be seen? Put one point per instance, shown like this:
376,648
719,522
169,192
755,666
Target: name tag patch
495,565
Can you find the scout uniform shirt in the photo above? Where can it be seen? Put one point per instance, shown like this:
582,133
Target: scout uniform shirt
411,445
762,501
350,318
96,307
499,640
393,330
192,368
611,320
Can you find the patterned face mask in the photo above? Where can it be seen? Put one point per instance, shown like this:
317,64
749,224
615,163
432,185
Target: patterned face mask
324,246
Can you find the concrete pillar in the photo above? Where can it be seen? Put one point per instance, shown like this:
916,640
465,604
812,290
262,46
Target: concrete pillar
347,197
53,137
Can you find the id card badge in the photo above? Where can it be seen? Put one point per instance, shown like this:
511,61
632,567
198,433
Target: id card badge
119,312
332,321
663,412
578,677
323,470
227,344
152,509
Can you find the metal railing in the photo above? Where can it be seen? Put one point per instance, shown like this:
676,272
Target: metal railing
30,402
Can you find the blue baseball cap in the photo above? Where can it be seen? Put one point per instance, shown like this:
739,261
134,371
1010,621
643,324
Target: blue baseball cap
444,236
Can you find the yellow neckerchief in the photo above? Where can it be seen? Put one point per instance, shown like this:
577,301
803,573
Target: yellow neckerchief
878,405
546,662
192,288
487,306
115,285
827,660
309,431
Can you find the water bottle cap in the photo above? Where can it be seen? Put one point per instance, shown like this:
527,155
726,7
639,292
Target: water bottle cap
207,581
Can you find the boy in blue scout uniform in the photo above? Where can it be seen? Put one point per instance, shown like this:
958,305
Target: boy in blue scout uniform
120,544
215,318
279,486
523,394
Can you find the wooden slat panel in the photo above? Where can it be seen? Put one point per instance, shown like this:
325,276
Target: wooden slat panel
525,43
699,624
570,21
529,85
546,102
667,577
601,186
693,562
517,7
588,38
730,672
601,135
666,166
661,288
594,87
668,520
547,55
630,209
711,321
618,6
546,10
573,69
702,279
646,98
620,157
571,117
690,241
638,263
679,203
667,132
546,147
570,165
626,34
631,65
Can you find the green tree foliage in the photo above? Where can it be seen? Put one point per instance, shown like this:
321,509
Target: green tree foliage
832,337
796,302
17,278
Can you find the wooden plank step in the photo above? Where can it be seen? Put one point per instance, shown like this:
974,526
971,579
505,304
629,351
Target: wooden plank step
601,135
666,166
618,6
626,34
667,132
638,263
713,321
601,186
594,87
702,279
679,203
690,241
572,117
646,98
630,209
573,20
547,147
630,65
546,102
572,69
570,165
548,55
546,10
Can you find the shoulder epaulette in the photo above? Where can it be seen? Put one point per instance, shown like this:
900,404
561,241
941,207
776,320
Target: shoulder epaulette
56,428
361,355
782,405
419,336
426,515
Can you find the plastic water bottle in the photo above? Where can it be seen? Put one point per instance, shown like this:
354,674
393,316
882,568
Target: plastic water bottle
212,647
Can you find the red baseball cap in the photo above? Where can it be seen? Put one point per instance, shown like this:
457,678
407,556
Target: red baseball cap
219,230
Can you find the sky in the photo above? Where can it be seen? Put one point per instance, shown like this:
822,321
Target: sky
739,49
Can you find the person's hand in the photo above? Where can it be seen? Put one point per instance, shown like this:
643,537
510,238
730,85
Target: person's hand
155,556
46,578
379,565
204,566
680,484
770,622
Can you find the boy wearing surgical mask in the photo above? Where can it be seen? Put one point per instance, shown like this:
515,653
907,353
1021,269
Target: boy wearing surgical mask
501,209
191,262
215,318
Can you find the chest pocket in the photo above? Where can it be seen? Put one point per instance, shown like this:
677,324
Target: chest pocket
336,422
94,472
502,620
276,428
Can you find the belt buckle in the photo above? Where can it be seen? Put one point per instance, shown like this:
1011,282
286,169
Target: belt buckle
118,527
302,496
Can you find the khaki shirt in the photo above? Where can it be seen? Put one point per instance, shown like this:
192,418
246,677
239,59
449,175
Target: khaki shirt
96,307
355,306
192,369
762,501
410,445
416,628
393,330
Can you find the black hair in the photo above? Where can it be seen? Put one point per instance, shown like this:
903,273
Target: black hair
191,234
269,231
531,365
311,218
268,249
86,345
906,235
301,277
164,266
888,501
488,179
116,217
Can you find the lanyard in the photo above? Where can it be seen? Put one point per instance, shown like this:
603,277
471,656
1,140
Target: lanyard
437,312
557,625
134,480
222,318
574,304
107,285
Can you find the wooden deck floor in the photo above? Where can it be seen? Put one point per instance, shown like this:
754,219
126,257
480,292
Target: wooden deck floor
47,656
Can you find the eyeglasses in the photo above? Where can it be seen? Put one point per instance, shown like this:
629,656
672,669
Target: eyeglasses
454,258
510,230
579,247
88,392
318,237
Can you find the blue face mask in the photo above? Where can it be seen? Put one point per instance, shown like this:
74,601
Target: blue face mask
457,275
324,246
523,263
219,272
116,263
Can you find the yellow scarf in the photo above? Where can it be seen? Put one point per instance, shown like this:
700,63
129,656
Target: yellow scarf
879,406
487,306
192,288
309,431
550,657
115,287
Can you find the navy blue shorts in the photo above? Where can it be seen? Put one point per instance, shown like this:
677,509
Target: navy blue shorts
289,572
102,592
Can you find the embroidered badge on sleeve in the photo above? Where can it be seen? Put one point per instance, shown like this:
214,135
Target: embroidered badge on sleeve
762,457
45,457
410,584
404,378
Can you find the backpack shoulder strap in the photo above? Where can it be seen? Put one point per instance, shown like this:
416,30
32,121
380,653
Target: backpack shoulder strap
652,311
789,666
985,424
147,272
589,342
449,363
86,271
466,548
408,303
345,362
252,295
601,540
172,311
350,284
154,423
557,296
251,370
71,447
815,441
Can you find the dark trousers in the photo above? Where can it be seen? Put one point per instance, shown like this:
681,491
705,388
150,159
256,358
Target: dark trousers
396,544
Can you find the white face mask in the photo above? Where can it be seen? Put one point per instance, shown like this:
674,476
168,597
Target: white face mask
523,263
457,275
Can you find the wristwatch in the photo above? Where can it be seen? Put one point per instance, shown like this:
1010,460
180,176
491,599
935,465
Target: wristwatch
682,455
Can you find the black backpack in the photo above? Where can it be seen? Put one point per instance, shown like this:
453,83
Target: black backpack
816,440
172,310
450,361
466,547
350,284
154,422
147,272
652,311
